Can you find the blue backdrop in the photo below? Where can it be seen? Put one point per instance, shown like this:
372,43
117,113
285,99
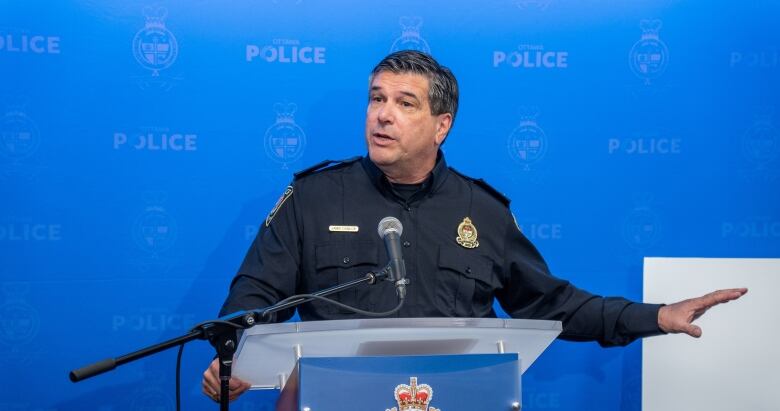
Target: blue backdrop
143,143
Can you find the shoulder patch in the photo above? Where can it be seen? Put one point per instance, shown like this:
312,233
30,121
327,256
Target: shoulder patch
485,186
287,194
325,165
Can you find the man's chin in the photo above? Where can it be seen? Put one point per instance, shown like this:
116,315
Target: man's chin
380,158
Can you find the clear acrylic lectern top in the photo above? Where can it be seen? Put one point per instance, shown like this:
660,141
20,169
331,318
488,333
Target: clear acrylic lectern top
267,353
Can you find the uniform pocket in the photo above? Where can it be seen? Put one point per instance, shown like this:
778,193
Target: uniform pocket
339,263
465,282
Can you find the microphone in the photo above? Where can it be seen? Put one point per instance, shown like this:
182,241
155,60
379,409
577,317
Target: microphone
390,230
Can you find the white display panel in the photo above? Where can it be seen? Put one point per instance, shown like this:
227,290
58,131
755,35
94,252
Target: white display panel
735,365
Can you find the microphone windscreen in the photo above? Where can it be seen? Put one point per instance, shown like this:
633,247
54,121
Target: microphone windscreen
388,224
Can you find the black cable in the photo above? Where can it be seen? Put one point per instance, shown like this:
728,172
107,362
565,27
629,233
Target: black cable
228,323
344,306
178,378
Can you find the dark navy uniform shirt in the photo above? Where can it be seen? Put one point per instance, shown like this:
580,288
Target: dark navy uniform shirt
296,252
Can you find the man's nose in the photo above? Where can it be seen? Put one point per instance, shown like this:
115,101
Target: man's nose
384,115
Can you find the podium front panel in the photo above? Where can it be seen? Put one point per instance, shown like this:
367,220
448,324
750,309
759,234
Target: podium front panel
440,382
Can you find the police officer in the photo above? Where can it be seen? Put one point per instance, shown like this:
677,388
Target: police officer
461,246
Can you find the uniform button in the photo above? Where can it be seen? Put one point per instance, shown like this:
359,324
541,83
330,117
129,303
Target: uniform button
468,270
346,260
407,244
408,208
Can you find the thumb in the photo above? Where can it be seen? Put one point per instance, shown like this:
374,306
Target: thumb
693,330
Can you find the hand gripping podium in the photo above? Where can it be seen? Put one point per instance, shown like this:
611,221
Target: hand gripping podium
419,364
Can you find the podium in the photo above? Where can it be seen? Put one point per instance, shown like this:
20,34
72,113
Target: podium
427,364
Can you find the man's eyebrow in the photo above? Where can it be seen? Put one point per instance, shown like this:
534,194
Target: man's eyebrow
410,94
406,93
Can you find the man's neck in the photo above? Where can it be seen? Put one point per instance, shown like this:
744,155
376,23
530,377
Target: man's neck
407,177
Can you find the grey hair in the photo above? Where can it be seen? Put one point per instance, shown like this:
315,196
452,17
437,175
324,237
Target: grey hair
442,85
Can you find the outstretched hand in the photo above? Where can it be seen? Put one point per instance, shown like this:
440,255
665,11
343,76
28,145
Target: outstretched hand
679,317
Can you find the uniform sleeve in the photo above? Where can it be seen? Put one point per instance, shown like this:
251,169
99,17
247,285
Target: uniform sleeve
270,269
530,291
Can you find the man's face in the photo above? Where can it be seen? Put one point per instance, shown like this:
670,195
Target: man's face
402,135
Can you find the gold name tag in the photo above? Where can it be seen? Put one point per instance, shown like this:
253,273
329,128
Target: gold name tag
343,228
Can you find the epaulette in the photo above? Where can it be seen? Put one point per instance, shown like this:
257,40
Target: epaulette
325,165
485,186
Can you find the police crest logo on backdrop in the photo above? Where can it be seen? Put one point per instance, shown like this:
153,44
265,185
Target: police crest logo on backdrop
19,324
649,56
410,36
285,141
642,226
20,141
527,143
154,46
19,320
20,136
761,142
759,146
154,230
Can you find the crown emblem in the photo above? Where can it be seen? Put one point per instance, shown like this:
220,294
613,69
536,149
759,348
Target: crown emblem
650,28
155,16
528,114
285,112
413,397
410,25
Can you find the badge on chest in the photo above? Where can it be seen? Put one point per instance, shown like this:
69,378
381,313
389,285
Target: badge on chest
467,234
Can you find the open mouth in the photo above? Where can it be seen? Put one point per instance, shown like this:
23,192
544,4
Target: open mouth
382,138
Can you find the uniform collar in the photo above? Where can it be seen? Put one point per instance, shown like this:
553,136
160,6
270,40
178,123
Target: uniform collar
431,184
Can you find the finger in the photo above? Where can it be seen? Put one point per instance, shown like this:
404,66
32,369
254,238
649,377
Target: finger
242,388
719,297
238,391
741,290
731,294
234,395
207,390
693,330
236,383
211,380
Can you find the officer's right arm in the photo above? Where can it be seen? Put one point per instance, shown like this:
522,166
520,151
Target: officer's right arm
270,270
268,274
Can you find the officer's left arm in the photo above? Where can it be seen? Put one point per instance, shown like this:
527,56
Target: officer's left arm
530,291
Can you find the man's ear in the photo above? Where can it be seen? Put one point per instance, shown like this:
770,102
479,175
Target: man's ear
443,127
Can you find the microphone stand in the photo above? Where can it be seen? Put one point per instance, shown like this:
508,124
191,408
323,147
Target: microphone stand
222,333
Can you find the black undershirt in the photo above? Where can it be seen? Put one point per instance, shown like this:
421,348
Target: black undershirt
406,191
